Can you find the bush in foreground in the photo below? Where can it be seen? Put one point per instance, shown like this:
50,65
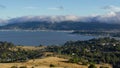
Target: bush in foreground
14,67
23,67
51,65
92,66
103,67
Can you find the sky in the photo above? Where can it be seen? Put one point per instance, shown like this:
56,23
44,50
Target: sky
17,8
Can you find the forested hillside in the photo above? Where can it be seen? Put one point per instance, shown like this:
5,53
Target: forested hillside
66,25
102,50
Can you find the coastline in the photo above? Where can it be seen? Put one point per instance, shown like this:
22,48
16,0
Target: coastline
40,30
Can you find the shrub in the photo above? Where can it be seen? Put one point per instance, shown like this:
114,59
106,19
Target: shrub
103,67
74,60
92,66
14,67
23,67
84,63
51,65
32,67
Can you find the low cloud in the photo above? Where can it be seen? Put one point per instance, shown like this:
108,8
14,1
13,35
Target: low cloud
111,18
3,22
111,8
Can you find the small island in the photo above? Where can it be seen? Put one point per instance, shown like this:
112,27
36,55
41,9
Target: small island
109,33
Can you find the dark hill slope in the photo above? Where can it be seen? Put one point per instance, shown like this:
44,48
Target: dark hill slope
66,25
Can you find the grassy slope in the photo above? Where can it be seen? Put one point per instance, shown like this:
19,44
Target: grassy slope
45,62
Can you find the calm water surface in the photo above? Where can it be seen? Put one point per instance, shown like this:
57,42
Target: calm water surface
40,37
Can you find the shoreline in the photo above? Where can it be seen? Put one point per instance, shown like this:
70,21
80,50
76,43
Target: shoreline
40,30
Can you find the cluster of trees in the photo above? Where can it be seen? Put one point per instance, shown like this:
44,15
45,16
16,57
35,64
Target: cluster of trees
101,50
10,53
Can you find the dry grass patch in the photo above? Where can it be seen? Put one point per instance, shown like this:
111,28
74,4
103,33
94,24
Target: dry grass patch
46,62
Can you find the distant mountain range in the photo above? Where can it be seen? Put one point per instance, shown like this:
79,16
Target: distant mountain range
66,25
108,21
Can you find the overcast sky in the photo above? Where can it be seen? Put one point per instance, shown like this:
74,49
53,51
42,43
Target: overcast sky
17,8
